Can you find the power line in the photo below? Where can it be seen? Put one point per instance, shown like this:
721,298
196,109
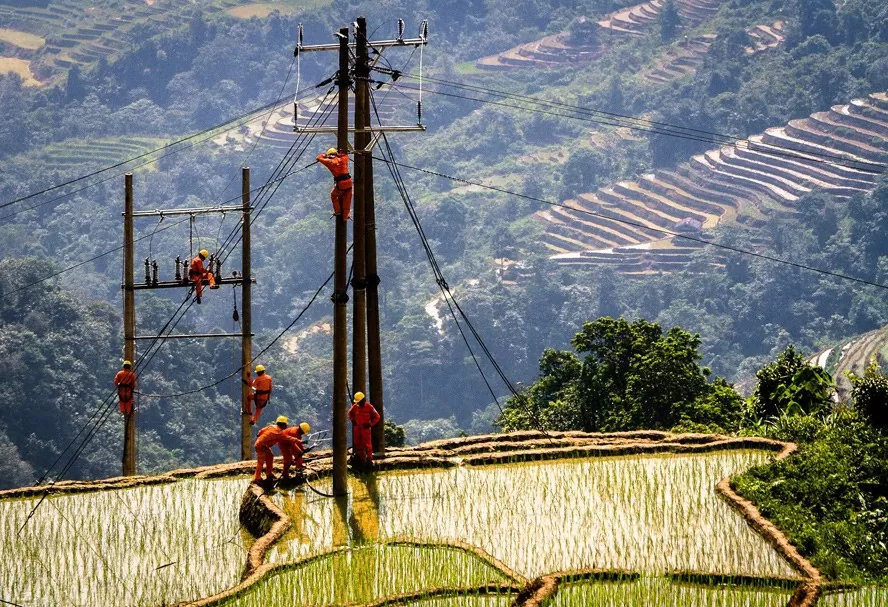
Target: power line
653,127
285,164
640,225
520,398
86,261
104,409
439,275
263,351
212,132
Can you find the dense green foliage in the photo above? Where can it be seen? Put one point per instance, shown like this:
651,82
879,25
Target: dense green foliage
790,386
829,497
870,395
631,376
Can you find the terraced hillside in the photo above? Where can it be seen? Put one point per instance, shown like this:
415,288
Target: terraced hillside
766,36
636,19
551,51
78,34
839,151
562,49
79,154
683,58
853,355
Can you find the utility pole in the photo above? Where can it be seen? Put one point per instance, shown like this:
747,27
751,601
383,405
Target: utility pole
181,280
129,322
340,295
246,321
359,282
366,304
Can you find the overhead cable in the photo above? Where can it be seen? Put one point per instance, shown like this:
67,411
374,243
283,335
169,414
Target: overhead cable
644,226
211,132
653,127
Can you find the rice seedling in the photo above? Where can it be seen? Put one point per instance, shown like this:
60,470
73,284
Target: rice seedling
465,601
369,573
650,514
663,593
149,545
410,532
871,596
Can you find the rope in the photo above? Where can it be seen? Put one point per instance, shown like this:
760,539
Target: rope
151,241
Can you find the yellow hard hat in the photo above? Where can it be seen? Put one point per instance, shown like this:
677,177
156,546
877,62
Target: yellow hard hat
358,396
204,253
282,419
332,152
260,368
127,363
305,427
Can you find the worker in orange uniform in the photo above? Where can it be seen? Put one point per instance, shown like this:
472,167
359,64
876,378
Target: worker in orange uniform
292,447
363,416
125,380
197,274
341,194
268,437
261,393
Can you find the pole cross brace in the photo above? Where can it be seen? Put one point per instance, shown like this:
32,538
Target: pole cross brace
372,44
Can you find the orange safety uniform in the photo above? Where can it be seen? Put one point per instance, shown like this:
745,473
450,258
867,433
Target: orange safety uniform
363,417
292,449
261,394
125,380
268,437
197,274
341,194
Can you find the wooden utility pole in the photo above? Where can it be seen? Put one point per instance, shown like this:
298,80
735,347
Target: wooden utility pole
246,321
129,322
153,281
340,295
361,160
366,305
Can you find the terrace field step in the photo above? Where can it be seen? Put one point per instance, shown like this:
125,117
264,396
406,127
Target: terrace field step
721,173
832,122
578,235
657,183
625,219
611,233
779,137
828,173
635,208
847,115
652,200
702,177
782,176
807,130
880,100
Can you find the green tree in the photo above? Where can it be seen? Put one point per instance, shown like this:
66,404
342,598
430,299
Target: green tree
395,435
670,21
791,386
870,395
631,375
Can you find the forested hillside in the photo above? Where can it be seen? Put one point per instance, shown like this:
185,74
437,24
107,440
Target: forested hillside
598,124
